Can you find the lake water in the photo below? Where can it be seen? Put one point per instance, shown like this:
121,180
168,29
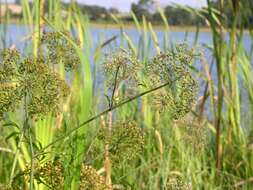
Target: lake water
16,34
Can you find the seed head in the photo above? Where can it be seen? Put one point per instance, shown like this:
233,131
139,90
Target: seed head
125,140
126,66
60,50
91,180
52,174
174,67
32,80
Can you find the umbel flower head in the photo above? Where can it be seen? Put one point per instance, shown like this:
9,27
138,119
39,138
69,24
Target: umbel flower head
60,50
10,95
91,180
29,80
173,67
122,69
125,141
52,174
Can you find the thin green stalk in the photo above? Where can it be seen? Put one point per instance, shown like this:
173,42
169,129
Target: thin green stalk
32,160
21,137
218,53
234,108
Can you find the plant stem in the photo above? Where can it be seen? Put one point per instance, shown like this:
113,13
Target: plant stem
16,156
107,152
32,162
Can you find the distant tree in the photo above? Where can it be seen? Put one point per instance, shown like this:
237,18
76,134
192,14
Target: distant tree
95,12
114,10
18,2
143,8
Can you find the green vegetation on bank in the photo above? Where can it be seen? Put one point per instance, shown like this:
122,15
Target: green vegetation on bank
176,15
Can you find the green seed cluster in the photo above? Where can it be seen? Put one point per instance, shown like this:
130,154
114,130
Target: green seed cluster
52,174
60,49
10,95
125,140
32,80
180,95
91,180
46,89
127,67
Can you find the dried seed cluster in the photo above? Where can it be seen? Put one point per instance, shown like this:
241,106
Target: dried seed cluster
60,49
195,136
172,66
125,140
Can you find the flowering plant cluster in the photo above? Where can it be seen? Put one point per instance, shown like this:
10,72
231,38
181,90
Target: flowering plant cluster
31,83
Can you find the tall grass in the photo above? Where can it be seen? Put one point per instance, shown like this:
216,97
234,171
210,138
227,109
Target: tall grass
204,151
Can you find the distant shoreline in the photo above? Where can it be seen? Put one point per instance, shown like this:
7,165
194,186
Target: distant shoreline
130,25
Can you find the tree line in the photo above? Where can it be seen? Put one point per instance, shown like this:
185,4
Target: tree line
175,15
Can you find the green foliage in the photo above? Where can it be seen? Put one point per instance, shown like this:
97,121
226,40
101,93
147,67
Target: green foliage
176,183
188,148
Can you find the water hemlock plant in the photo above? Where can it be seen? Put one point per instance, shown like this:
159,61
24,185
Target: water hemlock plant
32,85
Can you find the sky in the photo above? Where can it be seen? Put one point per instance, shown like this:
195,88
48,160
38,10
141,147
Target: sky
125,5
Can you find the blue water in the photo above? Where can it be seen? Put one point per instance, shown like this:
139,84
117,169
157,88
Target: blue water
17,34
